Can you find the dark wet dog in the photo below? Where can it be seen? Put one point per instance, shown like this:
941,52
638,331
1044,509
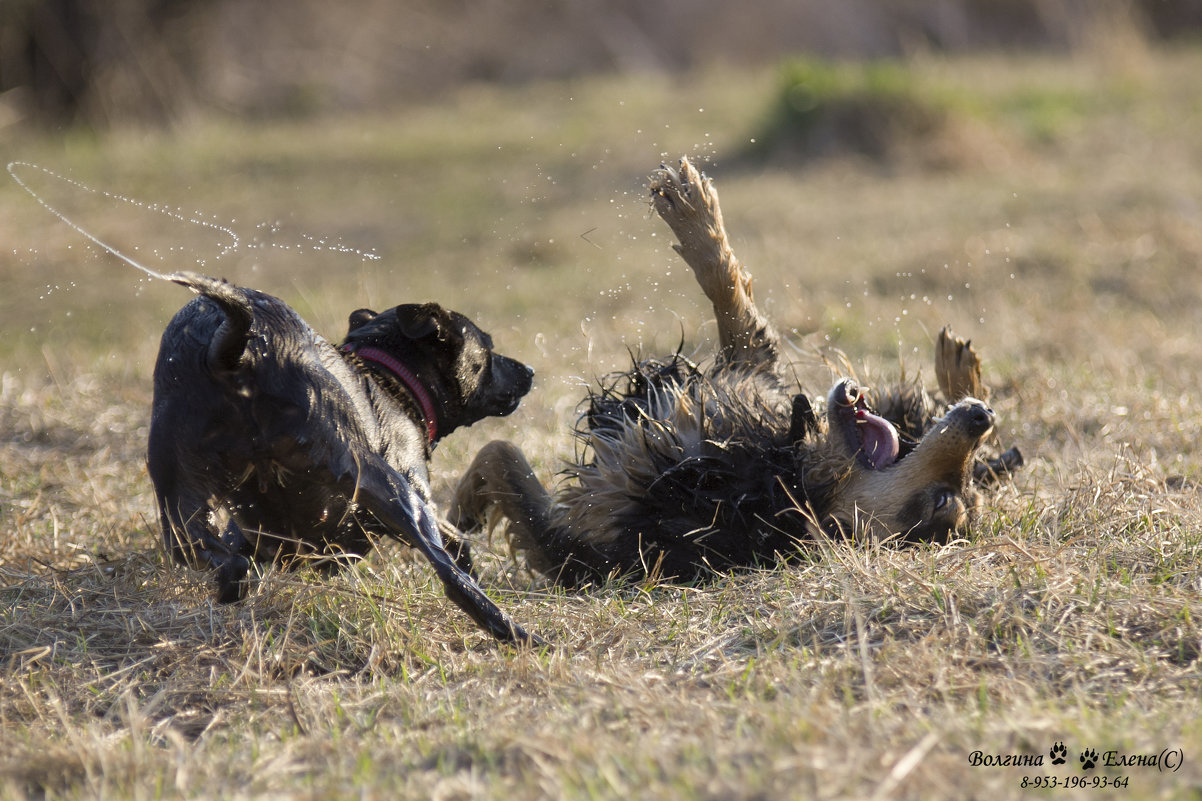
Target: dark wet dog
684,471
267,443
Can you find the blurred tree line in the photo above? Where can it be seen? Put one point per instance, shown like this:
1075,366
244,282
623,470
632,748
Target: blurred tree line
105,62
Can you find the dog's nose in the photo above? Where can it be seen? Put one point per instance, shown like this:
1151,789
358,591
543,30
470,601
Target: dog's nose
979,412
977,417
844,393
525,377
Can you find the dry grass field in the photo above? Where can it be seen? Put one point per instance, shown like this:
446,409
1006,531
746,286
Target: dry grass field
1056,219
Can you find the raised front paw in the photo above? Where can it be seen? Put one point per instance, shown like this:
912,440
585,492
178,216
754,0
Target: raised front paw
688,203
958,368
671,187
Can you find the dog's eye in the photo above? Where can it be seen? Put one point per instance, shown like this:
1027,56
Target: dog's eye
942,499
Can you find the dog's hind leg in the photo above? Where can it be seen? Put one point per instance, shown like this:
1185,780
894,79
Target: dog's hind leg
190,527
500,476
390,497
688,203
191,539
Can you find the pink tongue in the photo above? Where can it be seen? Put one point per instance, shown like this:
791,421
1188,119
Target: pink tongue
878,438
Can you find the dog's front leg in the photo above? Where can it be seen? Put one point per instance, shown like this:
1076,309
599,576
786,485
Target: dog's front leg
688,203
500,476
459,550
392,499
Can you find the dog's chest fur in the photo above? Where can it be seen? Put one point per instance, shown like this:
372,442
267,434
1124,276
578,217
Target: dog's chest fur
688,470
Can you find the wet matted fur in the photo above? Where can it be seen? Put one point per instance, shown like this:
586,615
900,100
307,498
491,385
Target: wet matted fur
269,444
685,471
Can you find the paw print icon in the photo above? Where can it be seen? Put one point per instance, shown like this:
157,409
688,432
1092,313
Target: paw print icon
1058,753
1089,758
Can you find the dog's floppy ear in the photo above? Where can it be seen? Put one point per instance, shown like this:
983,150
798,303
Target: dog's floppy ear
359,318
418,322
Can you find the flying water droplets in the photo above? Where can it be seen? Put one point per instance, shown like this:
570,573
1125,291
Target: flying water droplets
221,237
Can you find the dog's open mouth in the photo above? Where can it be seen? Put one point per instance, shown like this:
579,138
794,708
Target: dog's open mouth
872,438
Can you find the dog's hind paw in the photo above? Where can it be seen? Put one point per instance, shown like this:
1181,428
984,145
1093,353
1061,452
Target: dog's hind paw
233,580
990,472
958,368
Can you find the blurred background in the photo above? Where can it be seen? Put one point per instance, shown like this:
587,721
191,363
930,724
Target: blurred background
101,62
1025,170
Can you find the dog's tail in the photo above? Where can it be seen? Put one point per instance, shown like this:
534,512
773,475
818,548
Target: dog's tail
229,342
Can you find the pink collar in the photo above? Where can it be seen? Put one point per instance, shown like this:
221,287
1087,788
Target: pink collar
406,377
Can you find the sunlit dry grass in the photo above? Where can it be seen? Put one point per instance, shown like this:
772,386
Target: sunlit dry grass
1069,254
